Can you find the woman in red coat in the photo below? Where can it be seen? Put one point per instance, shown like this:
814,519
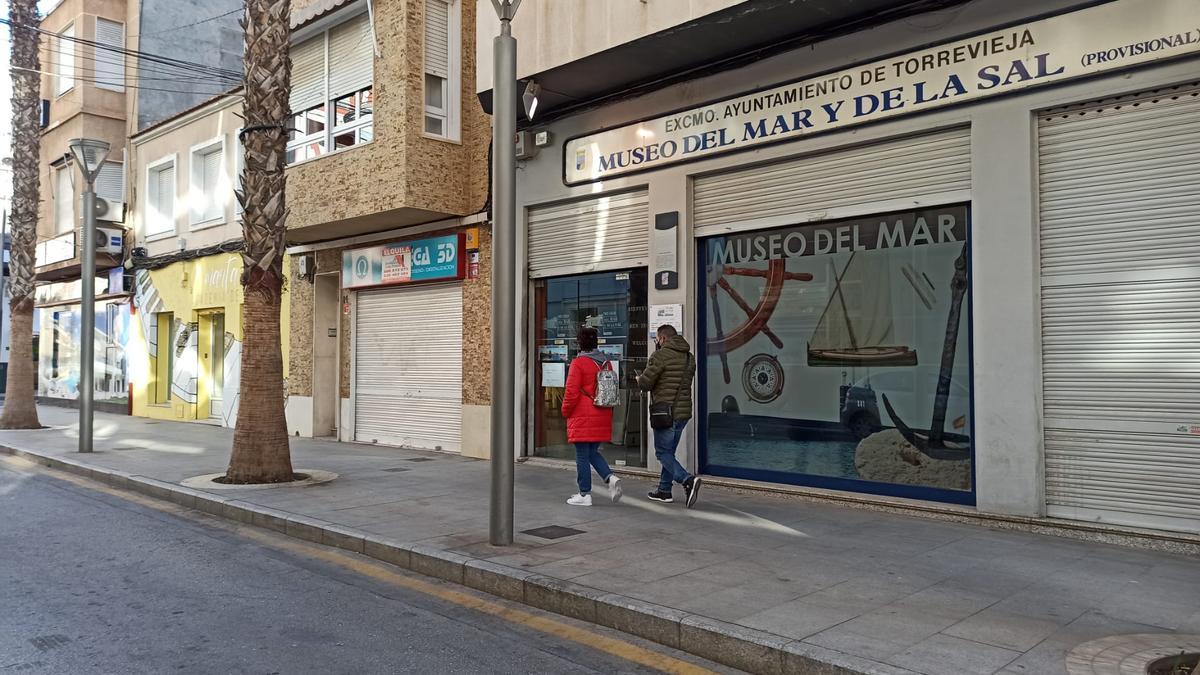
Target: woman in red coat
587,425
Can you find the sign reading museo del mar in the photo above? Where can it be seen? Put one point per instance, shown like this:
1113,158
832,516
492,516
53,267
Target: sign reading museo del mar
1102,38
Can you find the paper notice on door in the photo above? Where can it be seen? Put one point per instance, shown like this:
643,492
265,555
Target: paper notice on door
665,314
554,374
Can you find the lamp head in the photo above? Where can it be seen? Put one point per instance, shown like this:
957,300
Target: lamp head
89,154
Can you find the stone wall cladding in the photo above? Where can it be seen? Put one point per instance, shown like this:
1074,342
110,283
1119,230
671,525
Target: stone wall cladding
401,167
477,327
300,336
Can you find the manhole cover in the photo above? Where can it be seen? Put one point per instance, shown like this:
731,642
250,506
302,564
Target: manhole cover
552,532
419,459
1126,654
396,469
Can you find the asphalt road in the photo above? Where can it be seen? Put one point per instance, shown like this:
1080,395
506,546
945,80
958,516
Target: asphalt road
96,581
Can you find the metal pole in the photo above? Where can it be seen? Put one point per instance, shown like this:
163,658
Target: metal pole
504,266
87,331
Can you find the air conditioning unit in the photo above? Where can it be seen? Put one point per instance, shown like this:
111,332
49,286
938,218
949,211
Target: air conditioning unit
110,211
110,240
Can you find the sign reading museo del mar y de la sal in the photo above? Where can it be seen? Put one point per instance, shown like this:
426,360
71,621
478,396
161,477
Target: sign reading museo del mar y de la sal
433,259
1101,38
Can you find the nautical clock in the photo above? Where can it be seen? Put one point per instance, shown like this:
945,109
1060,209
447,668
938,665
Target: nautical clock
763,378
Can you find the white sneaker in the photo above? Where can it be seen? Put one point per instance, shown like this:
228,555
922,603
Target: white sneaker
614,487
580,500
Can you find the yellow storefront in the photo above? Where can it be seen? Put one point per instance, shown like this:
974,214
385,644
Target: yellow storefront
185,356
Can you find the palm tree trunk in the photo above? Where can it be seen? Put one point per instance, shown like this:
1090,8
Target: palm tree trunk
260,441
20,409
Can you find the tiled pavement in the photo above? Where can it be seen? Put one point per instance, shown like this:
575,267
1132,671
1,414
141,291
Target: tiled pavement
919,594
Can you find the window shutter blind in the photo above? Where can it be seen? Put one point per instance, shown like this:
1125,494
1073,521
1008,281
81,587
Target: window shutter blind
110,184
437,38
64,201
110,64
308,74
164,198
211,179
351,57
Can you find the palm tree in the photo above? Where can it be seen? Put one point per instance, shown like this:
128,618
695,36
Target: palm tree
20,409
260,441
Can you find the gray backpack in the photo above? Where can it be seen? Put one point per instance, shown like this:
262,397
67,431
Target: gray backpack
608,386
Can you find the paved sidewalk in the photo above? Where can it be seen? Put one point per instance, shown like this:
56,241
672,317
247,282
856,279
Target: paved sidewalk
761,582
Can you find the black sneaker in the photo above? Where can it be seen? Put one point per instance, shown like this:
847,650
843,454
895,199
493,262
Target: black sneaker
691,489
660,496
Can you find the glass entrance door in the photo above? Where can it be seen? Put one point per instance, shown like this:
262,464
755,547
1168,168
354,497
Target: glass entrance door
615,304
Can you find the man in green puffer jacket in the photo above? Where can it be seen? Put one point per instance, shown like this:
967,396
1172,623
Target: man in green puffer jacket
668,378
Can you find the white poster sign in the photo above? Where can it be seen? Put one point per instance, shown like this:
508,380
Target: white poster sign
665,314
1111,36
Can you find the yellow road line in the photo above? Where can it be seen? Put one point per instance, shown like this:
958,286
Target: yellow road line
381,572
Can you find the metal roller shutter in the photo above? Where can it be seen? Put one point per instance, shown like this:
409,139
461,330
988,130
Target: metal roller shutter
351,57
1120,206
408,367
599,233
895,169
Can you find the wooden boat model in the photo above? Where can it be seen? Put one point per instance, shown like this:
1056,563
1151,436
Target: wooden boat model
858,337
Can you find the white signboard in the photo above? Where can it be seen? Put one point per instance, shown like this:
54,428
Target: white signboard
1106,37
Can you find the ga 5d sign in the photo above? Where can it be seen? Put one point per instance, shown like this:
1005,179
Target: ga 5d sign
434,259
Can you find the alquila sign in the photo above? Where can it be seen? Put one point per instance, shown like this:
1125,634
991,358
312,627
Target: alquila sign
1097,39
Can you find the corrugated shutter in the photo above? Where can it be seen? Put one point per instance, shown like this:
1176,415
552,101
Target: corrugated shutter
437,38
408,367
599,233
110,184
1120,208
110,62
162,200
64,201
351,57
212,202
308,74
65,61
895,169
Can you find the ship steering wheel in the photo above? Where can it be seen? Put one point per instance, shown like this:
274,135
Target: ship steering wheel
757,316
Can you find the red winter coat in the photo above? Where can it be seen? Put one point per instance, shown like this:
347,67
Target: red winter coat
585,422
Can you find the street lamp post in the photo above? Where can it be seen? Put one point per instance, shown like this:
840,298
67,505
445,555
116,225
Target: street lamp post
504,261
89,156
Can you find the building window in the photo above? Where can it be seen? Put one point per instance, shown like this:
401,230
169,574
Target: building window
64,200
332,97
442,70
209,184
164,364
160,197
110,184
64,61
110,59
862,357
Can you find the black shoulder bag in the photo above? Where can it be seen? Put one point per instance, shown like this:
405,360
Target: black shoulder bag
662,413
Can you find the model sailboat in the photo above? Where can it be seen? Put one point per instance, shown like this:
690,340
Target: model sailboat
858,336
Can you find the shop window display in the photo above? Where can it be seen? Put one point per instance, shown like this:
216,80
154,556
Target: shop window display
838,354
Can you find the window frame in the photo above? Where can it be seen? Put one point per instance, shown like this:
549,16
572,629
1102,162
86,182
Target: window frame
196,155
119,85
151,171
322,31
70,202
451,112
59,61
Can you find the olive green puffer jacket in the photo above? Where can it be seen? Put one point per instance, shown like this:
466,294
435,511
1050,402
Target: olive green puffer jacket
670,369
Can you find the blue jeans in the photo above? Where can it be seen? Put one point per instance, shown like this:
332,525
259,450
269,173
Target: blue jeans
587,455
665,443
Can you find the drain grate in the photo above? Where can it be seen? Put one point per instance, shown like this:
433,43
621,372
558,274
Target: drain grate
552,532
419,459
395,469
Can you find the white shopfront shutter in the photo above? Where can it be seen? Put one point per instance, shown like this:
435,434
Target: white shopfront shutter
898,169
308,74
598,233
1120,209
351,57
408,367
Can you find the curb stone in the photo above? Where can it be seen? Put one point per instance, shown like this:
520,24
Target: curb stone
728,644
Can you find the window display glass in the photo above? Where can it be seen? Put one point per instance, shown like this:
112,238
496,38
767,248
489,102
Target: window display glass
837,354
615,304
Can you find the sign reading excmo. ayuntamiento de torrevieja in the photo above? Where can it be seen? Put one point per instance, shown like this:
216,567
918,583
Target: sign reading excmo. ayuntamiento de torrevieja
1105,37
433,259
